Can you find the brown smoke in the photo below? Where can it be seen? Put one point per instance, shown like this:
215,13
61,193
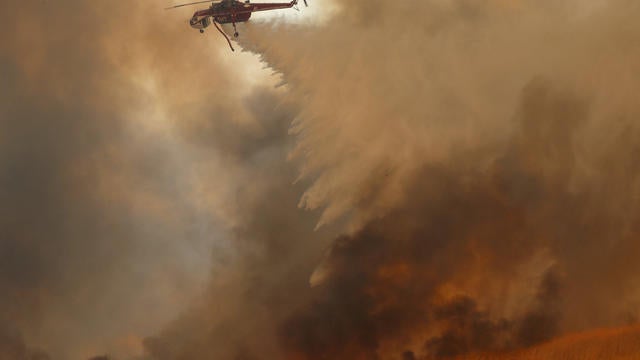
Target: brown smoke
478,158
114,186
432,79
476,146
390,284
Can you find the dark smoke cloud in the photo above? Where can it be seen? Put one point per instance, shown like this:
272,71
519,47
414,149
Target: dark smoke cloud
542,322
386,286
12,346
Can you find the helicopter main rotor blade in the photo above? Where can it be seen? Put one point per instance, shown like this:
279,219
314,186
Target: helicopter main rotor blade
193,3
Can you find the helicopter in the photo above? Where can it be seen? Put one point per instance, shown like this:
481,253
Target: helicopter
230,11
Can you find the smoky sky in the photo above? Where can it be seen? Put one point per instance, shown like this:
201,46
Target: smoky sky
114,194
435,178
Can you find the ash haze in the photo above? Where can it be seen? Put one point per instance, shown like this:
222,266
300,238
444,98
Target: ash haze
438,178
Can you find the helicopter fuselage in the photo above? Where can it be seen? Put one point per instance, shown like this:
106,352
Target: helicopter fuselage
232,11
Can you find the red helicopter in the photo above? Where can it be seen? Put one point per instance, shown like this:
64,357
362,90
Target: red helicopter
230,11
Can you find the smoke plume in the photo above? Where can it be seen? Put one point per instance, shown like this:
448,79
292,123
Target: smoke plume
119,154
483,152
469,167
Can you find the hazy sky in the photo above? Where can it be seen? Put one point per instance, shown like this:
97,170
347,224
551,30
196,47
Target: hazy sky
430,173
113,192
